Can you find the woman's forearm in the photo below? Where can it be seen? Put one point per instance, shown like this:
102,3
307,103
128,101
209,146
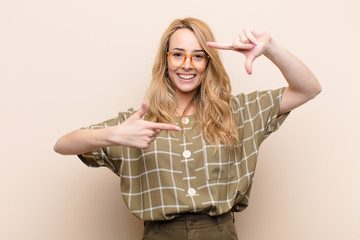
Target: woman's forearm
303,85
299,77
83,140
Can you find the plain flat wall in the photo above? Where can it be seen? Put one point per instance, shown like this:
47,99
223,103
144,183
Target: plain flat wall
65,64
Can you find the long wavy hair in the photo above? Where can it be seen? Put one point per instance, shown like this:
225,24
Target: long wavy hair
212,98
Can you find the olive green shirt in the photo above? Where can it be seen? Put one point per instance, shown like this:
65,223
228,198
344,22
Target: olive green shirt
180,172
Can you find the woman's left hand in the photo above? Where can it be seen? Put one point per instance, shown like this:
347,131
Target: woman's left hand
250,42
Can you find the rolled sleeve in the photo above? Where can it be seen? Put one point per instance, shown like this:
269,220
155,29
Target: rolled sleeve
109,157
274,121
257,113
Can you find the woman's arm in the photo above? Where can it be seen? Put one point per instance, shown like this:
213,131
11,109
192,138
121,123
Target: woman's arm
303,85
83,140
134,132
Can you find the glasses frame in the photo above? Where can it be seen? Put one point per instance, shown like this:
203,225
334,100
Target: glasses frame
186,56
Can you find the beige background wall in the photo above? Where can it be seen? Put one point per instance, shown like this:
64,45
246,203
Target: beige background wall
65,64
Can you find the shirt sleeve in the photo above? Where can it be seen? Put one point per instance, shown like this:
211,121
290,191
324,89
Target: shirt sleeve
111,156
258,111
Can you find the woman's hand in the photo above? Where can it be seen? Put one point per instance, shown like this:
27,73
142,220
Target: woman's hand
134,132
303,85
250,42
138,133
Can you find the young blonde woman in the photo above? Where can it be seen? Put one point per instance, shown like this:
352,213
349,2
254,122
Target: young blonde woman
187,157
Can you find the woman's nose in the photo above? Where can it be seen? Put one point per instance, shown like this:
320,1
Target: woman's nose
187,64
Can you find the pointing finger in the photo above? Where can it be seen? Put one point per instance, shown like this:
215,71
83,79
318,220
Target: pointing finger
223,46
242,46
162,126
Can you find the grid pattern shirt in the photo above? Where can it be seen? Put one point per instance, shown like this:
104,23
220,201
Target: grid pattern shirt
180,172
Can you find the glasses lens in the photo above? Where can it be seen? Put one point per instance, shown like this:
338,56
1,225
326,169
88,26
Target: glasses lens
199,60
176,58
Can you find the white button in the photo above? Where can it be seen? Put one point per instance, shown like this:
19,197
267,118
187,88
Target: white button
186,153
185,120
191,192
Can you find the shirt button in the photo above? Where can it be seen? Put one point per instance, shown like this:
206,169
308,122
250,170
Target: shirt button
191,192
191,222
185,120
186,154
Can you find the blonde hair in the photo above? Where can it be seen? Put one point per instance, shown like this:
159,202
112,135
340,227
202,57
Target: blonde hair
213,94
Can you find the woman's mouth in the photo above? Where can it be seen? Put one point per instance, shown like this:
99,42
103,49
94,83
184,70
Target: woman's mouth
186,76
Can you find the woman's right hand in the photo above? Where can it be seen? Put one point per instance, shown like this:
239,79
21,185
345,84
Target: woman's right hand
138,133
133,132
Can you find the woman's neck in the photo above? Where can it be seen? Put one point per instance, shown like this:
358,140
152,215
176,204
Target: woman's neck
184,102
189,111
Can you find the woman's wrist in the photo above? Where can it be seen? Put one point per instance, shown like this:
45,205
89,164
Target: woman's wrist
271,50
109,136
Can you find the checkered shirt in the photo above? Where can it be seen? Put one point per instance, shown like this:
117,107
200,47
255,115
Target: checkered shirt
180,172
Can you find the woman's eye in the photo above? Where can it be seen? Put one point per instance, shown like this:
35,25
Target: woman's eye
177,55
198,56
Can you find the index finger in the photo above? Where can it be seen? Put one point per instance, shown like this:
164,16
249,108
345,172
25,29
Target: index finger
163,126
223,46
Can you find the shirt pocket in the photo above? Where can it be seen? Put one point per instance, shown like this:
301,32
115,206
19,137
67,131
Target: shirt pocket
220,165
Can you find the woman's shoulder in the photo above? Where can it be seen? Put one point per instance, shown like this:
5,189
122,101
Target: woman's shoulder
122,116
242,99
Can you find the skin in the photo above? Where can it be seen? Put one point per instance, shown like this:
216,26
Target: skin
135,132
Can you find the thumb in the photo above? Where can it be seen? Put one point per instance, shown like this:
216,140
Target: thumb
141,112
248,64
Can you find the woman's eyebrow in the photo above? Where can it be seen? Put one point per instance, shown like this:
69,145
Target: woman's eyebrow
183,50
179,49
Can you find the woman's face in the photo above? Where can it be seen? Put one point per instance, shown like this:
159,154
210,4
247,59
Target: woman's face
186,78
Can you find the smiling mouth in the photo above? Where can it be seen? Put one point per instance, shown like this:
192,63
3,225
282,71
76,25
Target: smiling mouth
186,76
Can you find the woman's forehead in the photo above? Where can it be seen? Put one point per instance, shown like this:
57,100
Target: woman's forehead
184,39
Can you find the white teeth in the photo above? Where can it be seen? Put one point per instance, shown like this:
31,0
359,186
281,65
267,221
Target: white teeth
187,76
